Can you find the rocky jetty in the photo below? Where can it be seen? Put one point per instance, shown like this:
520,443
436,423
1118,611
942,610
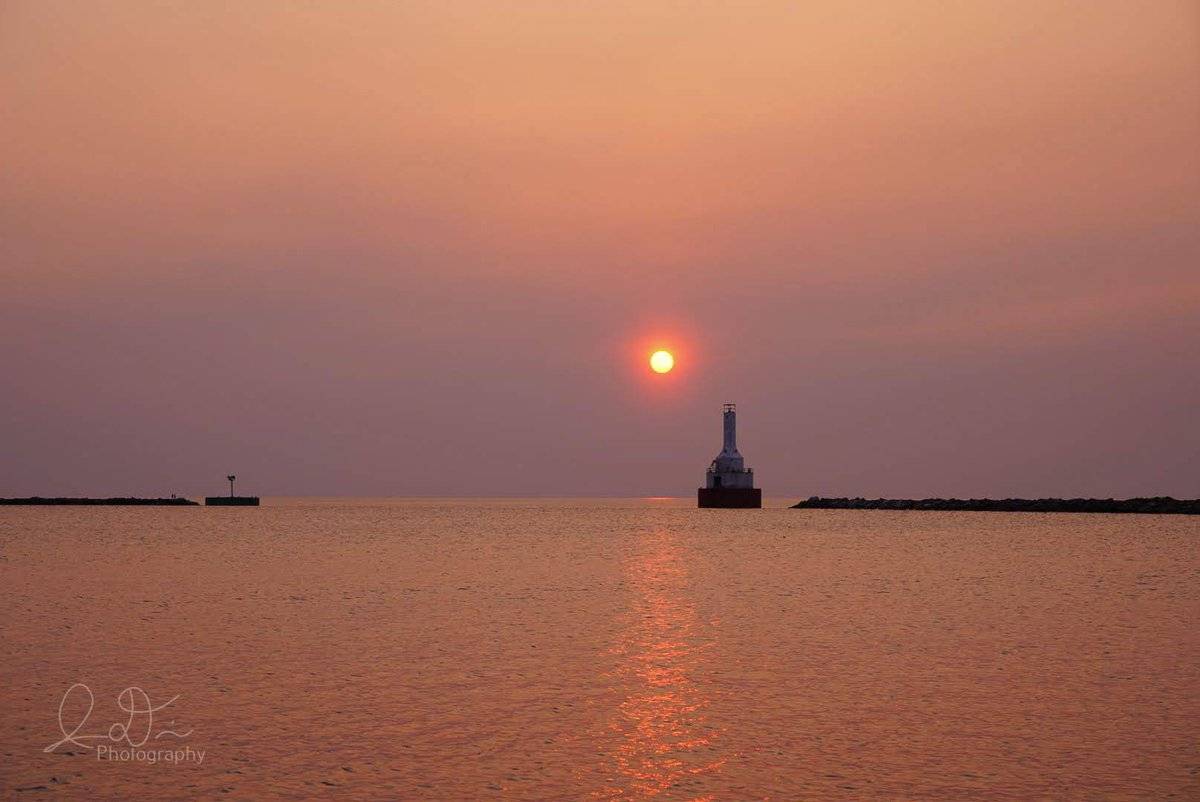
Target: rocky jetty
1158,505
116,502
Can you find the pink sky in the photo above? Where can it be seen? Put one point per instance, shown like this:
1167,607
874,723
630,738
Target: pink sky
424,248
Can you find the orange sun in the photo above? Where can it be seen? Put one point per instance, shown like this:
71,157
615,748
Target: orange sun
662,361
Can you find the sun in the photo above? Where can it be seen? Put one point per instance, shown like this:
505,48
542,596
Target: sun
662,361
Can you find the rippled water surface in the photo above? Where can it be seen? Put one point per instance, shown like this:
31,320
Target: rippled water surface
465,650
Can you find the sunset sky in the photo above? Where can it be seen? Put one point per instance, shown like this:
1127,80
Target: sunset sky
427,248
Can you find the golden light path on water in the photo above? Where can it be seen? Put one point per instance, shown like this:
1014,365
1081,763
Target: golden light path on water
664,740
619,649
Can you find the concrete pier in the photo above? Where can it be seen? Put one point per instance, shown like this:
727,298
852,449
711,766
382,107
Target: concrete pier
231,501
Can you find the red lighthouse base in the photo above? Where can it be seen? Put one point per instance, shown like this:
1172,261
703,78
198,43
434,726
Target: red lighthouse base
730,497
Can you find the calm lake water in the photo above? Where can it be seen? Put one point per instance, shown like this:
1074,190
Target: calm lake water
642,649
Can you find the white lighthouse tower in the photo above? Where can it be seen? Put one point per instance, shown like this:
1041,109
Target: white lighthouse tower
728,482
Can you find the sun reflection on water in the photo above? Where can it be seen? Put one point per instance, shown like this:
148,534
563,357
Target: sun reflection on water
663,745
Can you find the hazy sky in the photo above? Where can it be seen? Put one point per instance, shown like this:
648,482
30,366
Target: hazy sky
426,248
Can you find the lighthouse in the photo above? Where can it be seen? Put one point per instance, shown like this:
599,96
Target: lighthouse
728,482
